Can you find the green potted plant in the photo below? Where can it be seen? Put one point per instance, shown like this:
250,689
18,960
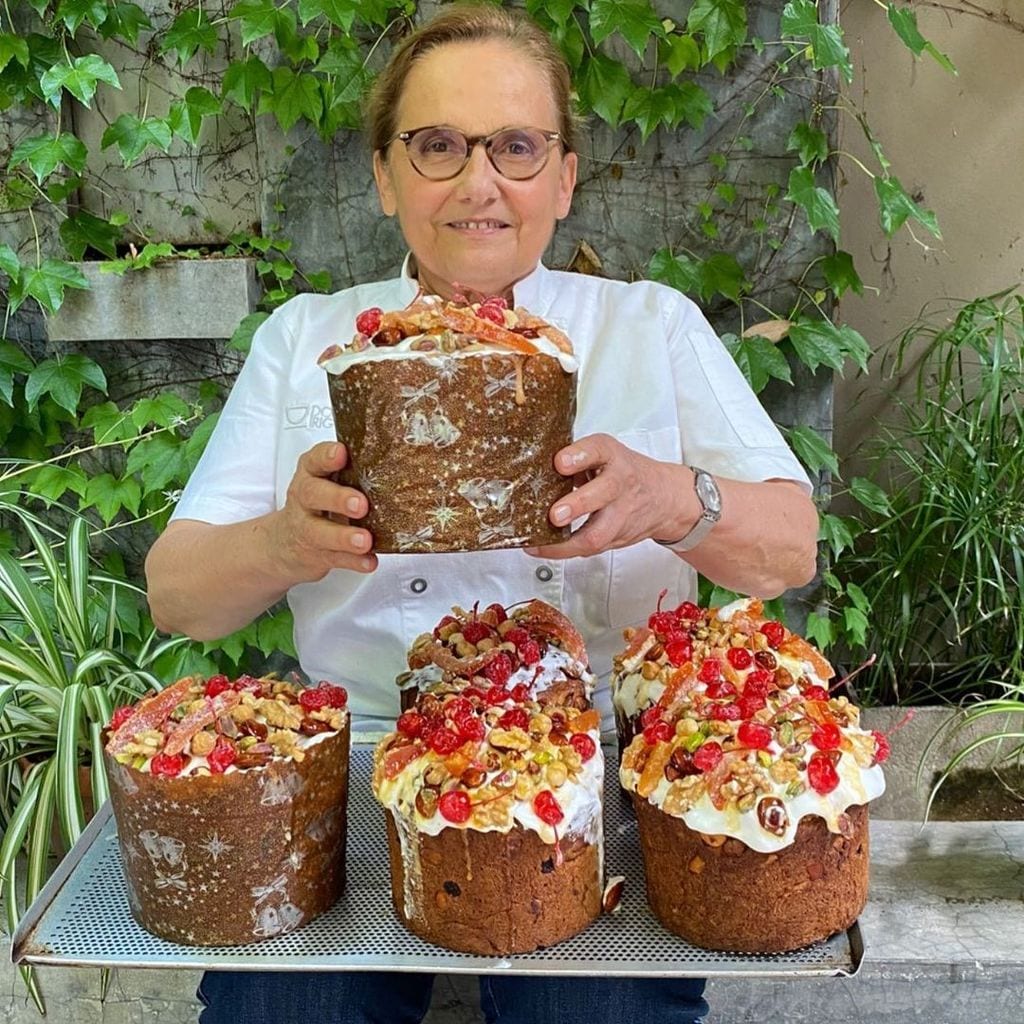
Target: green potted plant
69,654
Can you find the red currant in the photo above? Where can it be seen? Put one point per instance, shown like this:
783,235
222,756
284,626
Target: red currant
658,732
583,745
827,736
739,657
217,684
679,651
475,631
822,774
368,322
755,736
775,632
710,671
121,715
514,718
410,723
168,765
546,807
707,756
222,755
455,806
444,741
882,747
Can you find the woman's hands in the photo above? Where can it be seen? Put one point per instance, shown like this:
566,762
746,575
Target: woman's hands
310,534
628,496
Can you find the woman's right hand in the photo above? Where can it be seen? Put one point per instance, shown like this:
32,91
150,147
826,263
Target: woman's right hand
304,540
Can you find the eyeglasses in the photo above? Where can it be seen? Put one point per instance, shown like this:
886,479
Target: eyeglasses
439,152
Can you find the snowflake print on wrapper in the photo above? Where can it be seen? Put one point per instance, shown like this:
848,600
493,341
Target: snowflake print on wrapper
215,846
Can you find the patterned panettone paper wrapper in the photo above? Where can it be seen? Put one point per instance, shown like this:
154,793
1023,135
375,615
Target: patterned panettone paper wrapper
223,860
446,457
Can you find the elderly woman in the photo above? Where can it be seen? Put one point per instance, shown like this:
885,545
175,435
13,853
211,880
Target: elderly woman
680,470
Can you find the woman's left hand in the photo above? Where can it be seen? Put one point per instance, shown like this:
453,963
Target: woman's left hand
628,496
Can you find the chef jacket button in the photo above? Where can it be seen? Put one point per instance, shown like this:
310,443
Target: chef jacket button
544,573
418,585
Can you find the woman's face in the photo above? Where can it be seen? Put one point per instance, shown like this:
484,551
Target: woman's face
478,88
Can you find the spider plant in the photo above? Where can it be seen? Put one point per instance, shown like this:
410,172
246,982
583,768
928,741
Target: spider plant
944,572
68,657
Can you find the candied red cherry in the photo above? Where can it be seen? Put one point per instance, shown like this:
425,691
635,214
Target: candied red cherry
710,671
448,620
688,611
546,807
410,723
827,736
662,622
651,715
368,322
121,715
726,713
822,774
496,695
167,765
515,718
882,747
455,806
583,745
498,669
222,756
759,681
529,651
496,300
520,692
739,657
722,688
517,635
754,735
457,706
469,727
658,732
475,631
815,693
775,632
444,741
326,695
679,651
750,703
707,756
217,684
492,312
250,683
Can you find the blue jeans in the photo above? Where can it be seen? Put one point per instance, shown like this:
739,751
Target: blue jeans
358,997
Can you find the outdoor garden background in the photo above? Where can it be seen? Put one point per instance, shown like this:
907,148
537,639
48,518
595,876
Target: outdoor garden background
836,184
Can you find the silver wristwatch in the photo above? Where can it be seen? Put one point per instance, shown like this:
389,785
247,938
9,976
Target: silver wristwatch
710,499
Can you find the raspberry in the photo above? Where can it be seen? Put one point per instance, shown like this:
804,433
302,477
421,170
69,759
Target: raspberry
492,312
455,806
325,695
499,612
514,718
520,692
757,737
448,620
222,755
368,322
739,657
168,765
882,748
121,715
498,669
410,723
469,727
750,703
710,671
662,622
827,736
546,807
517,635
679,651
775,632
722,688
529,651
475,631
688,610
726,713
217,684
821,773
583,745
658,732
496,695
707,756
444,742
815,693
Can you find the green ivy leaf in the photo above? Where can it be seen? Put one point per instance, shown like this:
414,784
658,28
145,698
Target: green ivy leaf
79,78
46,283
319,281
62,378
245,80
871,496
692,103
190,31
840,274
45,153
904,21
292,96
258,18
53,481
164,410
681,53
895,205
604,87
12,361
338,12
82,230
108,495
158,460
721,274
855,626
559,11
828,50
276,633
812,449
9,262
821,342
134,136
196,444
124,20
108,423
810,143
820,630
185,118
74,12
649,108
819,205
722,22
344,59
634,20
836,532
679,272
759,359
241,340
13,47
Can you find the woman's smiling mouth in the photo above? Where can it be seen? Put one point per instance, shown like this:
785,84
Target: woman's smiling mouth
477,225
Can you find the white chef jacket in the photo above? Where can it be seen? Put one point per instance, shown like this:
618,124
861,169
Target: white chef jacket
653,374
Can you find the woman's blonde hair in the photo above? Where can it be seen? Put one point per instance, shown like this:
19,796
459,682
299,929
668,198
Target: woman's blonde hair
469,23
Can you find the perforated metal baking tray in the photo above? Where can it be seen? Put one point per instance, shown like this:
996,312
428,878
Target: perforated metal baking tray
81,918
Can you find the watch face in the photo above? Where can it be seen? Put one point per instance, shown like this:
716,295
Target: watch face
707,491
